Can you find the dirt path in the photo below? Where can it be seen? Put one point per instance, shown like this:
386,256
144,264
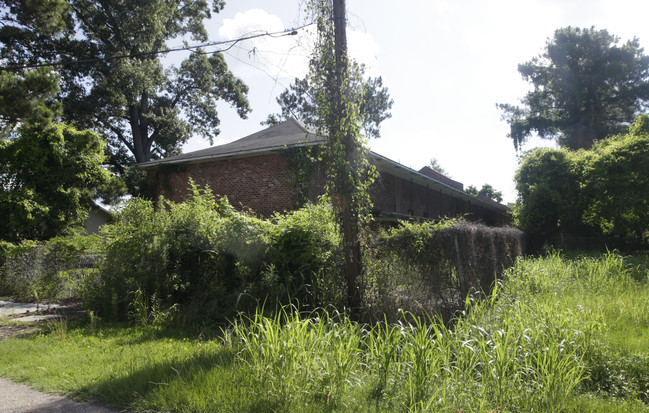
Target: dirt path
19,398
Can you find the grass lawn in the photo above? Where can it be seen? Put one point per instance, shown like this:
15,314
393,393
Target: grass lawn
561,335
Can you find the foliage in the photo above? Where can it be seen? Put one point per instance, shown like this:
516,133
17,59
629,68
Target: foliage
48,180
602,191
486,190
337,116
374,103
562,335
435,166
347,168
586,87
430,268
617,185
28,98
117,85
209,261
29,95
200,252
305,255
302,162
548,188
55,269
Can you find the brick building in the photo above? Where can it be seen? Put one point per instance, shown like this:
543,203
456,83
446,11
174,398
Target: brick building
260,172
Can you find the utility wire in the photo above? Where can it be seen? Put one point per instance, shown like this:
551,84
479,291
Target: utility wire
287,32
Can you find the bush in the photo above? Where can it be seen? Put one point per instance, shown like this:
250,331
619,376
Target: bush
211,261
54,269
598,192
306,257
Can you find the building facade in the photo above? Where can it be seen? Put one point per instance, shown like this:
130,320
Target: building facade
265,172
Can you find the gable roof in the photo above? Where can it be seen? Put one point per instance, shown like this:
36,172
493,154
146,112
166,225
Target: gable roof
293,133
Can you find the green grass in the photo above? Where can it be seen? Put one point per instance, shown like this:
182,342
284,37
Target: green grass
561,335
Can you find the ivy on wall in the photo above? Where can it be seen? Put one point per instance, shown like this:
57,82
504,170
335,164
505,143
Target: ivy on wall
302,162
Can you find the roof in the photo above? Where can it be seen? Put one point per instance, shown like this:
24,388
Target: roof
428,171
286,134
293,133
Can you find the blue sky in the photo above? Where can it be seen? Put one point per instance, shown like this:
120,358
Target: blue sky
446,64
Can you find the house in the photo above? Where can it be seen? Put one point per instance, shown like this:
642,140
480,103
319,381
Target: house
266,172
97,217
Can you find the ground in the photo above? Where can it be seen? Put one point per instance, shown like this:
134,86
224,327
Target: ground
24,318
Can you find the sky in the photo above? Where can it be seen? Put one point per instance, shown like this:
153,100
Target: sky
446,64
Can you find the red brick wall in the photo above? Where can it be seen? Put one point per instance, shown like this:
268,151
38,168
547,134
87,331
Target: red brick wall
261,183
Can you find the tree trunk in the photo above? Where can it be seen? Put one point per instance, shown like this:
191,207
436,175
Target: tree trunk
140,130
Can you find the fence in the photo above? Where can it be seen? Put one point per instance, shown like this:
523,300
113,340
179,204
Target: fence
432,272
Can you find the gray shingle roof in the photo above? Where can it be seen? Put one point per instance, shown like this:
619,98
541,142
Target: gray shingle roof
286,134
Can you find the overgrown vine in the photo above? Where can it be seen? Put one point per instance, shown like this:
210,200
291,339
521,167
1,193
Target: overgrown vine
349,173
302,161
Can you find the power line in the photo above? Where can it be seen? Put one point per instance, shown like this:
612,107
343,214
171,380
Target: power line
287,32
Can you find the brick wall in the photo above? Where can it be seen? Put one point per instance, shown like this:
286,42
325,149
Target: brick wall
264,183
261,183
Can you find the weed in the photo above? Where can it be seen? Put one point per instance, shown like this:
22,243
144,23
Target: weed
58,327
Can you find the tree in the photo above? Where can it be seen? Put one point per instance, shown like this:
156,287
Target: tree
471,190
547,182
600,191
113,80
29,95
486,191
48,178
371,96
586,87
337,117
435,166
617,184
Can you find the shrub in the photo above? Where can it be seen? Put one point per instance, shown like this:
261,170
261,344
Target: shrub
597,192
212,261
305,257
54,269
200,252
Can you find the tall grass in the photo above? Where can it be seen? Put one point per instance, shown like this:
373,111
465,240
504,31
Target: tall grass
552,338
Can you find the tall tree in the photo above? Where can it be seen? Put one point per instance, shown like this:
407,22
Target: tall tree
586,87
48,179
373,100
112,77
29,96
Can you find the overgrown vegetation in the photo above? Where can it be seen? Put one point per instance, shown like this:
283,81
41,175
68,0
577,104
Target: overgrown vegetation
560,335
203,261
210,261
52,270
431,267
596,192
